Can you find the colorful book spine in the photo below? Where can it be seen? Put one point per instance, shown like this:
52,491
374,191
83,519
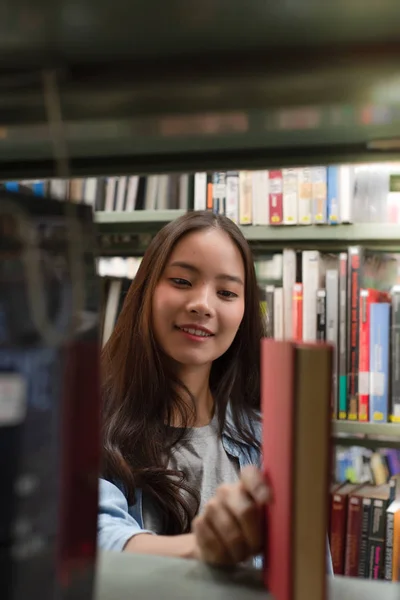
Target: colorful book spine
332,330
290,203
319,194
232,196
343,329
395,356
275,197
333,195
298,311
311,273
219,192
304,196
289,279
354,332
379,361
246,198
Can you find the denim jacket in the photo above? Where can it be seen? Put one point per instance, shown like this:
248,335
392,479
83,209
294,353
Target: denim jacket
118,522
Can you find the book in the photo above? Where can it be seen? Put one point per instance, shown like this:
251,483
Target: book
304,196
275,197
296,393
319,194
311,275
379,362
332,330
297,333
338,527
354,285
395,356
321,315
290,202
343,337
392,550
333,208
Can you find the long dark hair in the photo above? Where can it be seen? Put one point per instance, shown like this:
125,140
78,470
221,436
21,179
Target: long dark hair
141,393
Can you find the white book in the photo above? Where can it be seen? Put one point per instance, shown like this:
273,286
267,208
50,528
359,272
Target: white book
320,195
184,192
289,279
150,199
346,192
59,189
260,198
121,193
278,314
232,196
200,191
290,184
305,196
132,193
162,192
110,193
311,270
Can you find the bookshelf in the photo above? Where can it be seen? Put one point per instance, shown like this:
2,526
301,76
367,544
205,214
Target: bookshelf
385,235
354,433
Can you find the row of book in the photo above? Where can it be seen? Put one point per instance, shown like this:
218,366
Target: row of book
352,300
303,196
297,196
126,193
364,530
356,464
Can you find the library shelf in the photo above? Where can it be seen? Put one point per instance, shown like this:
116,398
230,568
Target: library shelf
372,234
350,433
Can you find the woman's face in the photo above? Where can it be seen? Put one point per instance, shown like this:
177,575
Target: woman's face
198,303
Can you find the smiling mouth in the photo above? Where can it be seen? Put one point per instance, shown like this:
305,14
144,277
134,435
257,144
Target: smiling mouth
194,331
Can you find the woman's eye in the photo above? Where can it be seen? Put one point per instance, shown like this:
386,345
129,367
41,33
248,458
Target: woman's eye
179,281
227,294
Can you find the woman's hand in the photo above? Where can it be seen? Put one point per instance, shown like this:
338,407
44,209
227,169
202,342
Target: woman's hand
231,527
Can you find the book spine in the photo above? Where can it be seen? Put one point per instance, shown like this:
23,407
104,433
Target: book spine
332,330
260,198
269,296
275,197
219,192
389,546
338,532
246,198
290,203
311,283
346,189
343,325
232,196
379,361
353,536
289,280
363,372
333,195
319,192
354,292
365,528
278,314
395,357
298,311
321,315
209,192
304,196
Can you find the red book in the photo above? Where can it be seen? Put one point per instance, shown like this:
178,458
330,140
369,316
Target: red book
367,296
297,307
338,527
275,197
277,392
296,381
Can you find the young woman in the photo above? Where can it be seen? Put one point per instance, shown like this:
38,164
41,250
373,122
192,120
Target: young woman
181,399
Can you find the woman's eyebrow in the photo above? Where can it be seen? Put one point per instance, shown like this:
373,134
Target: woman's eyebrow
193,269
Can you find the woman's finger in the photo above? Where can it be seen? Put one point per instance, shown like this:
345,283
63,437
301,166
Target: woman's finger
211,548
254,483
247,515
227,528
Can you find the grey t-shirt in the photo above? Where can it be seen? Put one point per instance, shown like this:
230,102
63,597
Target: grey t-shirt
206,466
